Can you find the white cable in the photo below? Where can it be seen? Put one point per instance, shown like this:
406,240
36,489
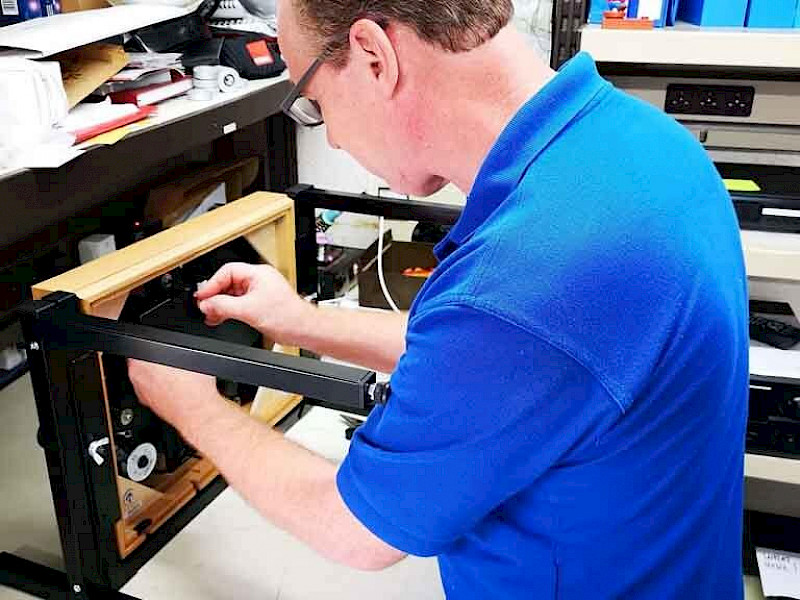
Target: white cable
380,268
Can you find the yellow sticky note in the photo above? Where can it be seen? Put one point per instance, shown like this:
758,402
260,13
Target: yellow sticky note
741,185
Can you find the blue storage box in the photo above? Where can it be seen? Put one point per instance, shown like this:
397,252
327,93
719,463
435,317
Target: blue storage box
797,15
771,13
14,11
596,9
656,10
713,13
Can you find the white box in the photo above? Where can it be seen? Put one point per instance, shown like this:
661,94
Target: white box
95,246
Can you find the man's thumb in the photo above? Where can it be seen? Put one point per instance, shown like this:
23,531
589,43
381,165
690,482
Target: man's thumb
221,308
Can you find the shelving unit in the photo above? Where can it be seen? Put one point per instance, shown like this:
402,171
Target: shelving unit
691,45
43,204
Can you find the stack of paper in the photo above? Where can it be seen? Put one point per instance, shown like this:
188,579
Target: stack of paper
32,101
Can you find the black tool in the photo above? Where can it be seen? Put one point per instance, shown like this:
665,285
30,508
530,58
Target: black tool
774,333
352,424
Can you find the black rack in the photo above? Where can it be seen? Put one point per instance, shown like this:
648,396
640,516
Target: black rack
308,198
66,377
568,18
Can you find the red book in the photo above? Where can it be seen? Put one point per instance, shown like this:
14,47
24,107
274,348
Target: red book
153,94
87,133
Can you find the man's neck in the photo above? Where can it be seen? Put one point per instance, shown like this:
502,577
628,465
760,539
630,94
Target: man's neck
478,95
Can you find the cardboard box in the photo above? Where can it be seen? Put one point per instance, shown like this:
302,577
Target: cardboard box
169,202
15,11
76,5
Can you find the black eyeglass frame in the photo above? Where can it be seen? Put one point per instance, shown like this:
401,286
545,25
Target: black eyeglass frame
296,93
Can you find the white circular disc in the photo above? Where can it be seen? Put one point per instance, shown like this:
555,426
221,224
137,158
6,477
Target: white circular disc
147,454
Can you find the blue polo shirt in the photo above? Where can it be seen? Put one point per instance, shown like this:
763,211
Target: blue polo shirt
568,418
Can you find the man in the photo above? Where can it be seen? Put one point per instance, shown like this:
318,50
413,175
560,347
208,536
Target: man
568,401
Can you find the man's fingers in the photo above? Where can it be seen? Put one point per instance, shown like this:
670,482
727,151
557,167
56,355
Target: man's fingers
221,308
230,277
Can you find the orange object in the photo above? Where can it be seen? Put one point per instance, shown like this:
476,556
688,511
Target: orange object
612,20
418,272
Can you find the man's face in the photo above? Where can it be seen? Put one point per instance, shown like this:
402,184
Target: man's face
378,130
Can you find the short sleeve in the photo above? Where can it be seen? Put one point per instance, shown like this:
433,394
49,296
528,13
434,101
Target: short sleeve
480,409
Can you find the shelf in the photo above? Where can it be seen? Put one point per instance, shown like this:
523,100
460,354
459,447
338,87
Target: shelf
772,468
772,255
38,198
691,45
772,362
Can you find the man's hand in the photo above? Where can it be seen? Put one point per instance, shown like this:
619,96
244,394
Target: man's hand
172,394
257,295
299,492
260,296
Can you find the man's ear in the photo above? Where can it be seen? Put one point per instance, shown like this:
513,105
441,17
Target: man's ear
371,47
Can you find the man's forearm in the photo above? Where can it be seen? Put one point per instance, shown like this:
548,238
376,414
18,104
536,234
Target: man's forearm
292,487
372,339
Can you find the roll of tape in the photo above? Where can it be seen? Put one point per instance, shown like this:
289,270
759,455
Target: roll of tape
206,84
139,464
201,95
205,72
228,80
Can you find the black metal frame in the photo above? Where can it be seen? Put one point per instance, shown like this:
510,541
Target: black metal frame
69,395
308,198
567,19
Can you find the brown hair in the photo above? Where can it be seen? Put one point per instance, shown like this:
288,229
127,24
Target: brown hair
454,25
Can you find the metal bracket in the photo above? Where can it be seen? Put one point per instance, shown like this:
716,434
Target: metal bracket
94,450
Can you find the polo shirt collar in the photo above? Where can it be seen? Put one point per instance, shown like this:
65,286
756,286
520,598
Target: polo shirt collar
531,130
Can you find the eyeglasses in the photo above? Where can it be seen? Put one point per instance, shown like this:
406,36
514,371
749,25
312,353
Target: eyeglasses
304,111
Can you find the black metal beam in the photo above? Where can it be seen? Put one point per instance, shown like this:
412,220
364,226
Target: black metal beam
43,582
335,384
307,198
365,204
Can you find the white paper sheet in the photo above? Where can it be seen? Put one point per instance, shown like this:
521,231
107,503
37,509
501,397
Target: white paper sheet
651,9
780,573
39,38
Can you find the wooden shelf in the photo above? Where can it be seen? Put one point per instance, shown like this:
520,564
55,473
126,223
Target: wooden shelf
691,45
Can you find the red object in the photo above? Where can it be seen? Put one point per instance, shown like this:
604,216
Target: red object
260,53
618,21
418,272
82,135
153,94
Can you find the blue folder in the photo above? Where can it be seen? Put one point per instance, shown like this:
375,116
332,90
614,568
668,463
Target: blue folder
714,13
596,8
771,13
